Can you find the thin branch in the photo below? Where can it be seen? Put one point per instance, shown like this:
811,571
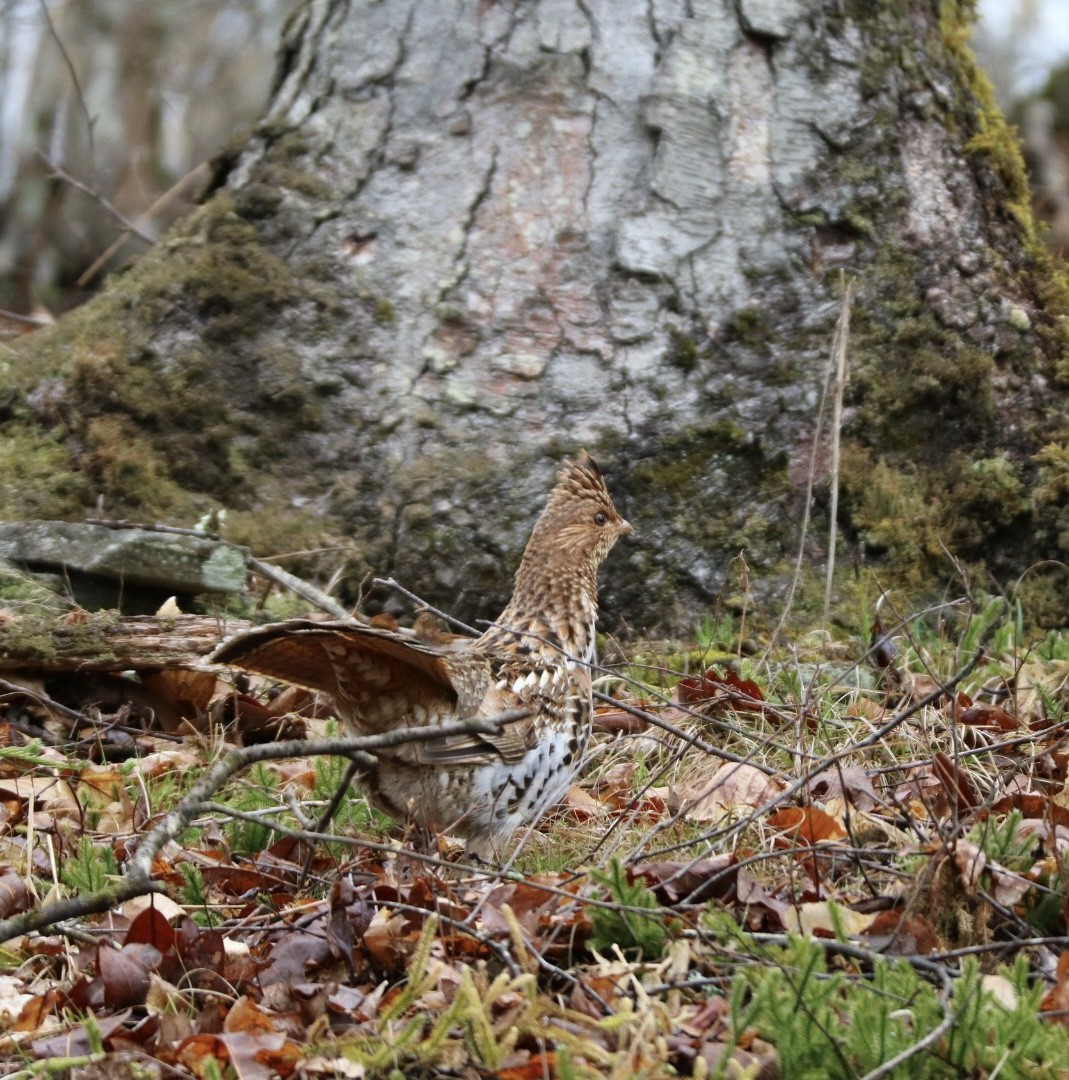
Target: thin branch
726,834
389,583
153,526
314,596
803,529
679,733
842,340
328,815
138,880
119,242
61,174
28,320
10,688
90,123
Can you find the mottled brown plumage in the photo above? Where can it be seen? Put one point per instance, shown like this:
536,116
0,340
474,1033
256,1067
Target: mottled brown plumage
535,656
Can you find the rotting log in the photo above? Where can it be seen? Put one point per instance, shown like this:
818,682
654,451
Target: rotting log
105,642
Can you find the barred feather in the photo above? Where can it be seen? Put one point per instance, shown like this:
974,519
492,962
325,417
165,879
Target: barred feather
535,656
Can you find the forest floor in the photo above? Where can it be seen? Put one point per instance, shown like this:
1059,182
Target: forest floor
840,858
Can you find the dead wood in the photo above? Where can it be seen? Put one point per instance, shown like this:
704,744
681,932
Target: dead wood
104,641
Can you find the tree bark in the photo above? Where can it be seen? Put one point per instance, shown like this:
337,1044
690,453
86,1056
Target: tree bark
469,238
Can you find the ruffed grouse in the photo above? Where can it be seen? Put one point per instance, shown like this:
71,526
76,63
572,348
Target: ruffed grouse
535,656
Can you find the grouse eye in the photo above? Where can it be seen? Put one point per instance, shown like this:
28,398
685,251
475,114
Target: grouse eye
600,518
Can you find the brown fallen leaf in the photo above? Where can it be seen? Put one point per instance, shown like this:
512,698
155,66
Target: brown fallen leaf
181,697
852,784
807,825
981,714
731,787
959,794
14,894
1033,806
713,692
902,935
693,882
126,973
1056,1000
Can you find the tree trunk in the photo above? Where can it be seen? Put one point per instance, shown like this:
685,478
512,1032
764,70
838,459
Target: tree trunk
470,238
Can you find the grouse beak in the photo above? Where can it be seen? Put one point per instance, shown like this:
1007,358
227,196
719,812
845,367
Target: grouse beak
624,527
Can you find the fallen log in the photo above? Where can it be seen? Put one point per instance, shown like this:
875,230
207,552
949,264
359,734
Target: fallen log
107,642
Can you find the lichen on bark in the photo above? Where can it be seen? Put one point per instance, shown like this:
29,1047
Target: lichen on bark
469,239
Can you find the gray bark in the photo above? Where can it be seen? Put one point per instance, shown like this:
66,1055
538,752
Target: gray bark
477,236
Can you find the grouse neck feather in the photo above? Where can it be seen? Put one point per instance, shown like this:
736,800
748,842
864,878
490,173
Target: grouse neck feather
552,610
555,596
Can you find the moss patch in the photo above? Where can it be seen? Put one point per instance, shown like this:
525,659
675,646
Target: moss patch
36,480
152,426
693,495
948,407
41,636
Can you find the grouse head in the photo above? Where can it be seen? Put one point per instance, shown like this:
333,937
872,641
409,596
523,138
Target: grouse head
579,522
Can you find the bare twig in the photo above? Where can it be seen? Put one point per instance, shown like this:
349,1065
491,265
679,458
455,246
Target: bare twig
138,880
725,834
10,688
119,242
389,583
699,744
153,526
90,123
60,173
314,596
328,815
842,339
29,320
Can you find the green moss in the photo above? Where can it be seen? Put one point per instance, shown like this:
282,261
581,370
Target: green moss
257,200
702,491
1042,596
783,372
682,352
385,313
304,183
991,490
1051,495
993,137
150,427
20,590
280,170
915,518
123,466
921,391
996,142
749,326
36,480
295,534
927,468
814,218
41,636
